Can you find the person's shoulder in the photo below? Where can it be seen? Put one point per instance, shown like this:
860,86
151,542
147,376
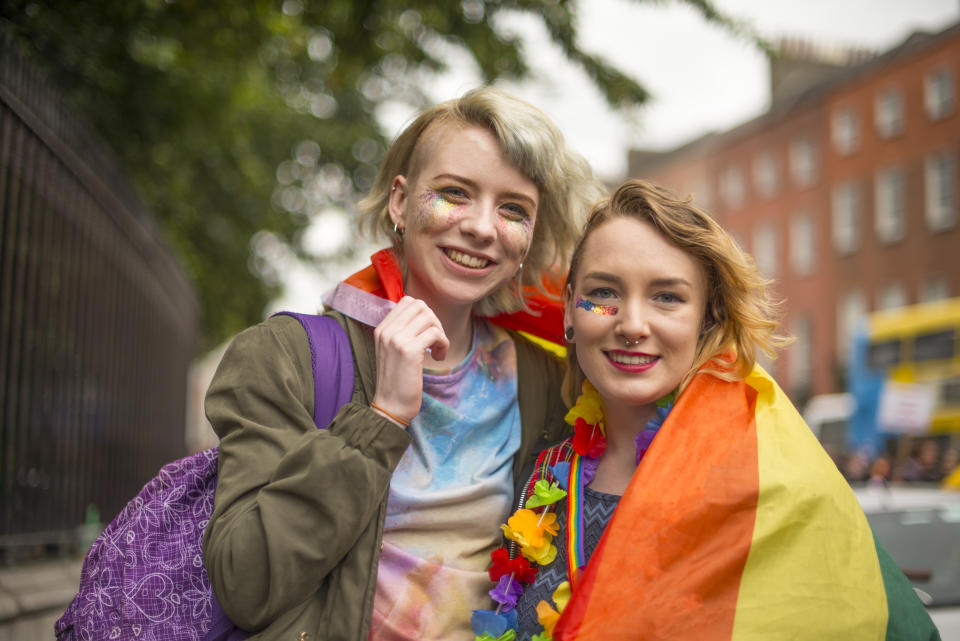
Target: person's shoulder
277,337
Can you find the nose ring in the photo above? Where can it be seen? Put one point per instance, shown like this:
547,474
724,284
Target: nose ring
629,342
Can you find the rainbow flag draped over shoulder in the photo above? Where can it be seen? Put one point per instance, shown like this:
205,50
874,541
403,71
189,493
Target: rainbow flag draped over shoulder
737,526
368,295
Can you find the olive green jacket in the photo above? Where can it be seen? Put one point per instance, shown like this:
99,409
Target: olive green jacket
293,543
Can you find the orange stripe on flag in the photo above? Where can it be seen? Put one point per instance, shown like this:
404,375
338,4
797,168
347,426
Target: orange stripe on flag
670,563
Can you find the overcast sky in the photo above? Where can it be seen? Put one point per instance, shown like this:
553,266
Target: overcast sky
702,78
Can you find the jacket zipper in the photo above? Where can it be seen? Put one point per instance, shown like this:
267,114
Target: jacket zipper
512,547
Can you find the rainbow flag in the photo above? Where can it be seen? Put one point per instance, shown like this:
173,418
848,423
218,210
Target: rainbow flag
737,526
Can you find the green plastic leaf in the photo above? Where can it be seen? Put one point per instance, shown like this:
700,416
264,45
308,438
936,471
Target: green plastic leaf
545,493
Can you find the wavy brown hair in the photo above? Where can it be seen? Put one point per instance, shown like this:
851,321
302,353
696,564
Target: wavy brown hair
741,316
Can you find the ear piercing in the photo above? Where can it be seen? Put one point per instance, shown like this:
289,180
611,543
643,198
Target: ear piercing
398,230
568,333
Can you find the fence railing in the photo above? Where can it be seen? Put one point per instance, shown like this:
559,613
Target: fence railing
97,324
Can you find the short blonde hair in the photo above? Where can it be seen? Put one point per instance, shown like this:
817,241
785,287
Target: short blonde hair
536,147
741,315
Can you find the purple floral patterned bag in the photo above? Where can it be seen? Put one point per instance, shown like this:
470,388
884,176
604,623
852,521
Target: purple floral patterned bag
144,577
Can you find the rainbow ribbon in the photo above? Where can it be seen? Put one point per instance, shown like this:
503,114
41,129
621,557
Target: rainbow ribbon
575,555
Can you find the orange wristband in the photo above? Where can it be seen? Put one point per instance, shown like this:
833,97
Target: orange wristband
393,416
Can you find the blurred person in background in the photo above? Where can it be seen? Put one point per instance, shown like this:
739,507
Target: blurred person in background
923,466
380,526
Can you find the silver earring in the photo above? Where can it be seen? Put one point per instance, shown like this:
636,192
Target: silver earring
398,230
568,333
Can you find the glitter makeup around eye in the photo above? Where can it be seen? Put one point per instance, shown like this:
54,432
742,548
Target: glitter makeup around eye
434,207
602,310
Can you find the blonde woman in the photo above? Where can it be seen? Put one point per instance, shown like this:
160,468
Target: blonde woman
379,527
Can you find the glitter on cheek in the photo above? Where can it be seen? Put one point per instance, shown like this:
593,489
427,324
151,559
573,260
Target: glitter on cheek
436,210
602,310
516,233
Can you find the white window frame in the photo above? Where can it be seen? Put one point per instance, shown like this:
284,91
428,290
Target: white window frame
940,190
851,313
939,93
893,295
765,249
766,175
890,205
845,131
800,361
889,113
803,162
803,252
935,287
845,207
733,188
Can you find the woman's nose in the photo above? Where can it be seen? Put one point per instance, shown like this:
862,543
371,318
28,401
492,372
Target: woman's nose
634,322
480,222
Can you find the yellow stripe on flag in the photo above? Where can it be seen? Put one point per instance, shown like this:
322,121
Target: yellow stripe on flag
812,570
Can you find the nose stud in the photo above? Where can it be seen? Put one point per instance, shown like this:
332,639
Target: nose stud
629,342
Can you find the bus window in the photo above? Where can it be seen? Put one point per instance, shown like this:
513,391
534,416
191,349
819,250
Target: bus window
884,354
950,391
934,346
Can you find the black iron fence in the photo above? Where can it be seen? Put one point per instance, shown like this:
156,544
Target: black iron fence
97,325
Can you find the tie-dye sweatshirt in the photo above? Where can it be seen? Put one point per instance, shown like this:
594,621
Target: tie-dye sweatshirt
451,490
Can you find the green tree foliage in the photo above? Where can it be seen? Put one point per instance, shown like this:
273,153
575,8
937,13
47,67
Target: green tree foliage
237,117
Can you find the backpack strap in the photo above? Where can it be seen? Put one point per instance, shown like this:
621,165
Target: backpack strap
332,359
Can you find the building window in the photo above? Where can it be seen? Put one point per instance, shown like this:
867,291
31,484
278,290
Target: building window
702,198
851,310
739,240
846,218
940,178
802,248
732,187
803,162
765,249
889,114
766,175
892,296
800,362
938,93
845,131
934,288
890,203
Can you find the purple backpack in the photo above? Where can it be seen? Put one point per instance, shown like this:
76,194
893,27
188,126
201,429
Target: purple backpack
144,577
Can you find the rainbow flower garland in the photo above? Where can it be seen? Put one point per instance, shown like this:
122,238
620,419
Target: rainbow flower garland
534,532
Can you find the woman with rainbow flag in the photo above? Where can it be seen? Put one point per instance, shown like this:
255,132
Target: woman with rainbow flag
380,525
692,502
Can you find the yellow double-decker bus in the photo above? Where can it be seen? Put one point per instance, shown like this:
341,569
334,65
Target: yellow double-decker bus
915,348
904,377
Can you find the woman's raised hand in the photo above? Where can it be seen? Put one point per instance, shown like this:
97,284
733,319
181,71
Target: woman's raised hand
401,341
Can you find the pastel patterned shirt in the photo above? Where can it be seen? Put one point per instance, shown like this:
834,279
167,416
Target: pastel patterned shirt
450,492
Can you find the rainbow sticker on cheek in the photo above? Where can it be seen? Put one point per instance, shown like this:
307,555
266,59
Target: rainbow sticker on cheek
601,310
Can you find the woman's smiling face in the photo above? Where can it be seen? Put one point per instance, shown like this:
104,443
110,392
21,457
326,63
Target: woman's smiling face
467,213
636,306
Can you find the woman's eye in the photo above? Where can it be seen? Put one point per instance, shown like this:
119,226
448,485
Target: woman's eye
455,193
515,212
602,293
668,297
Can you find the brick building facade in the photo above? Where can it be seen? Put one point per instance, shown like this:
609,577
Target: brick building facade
845,191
